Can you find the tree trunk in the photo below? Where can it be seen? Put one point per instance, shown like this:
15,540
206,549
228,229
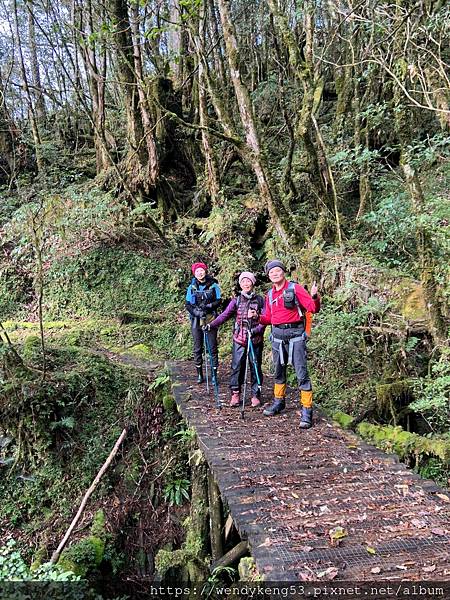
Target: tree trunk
26,87
211,173
255,154
302,64
39,102
125,60
147,121
403,129
7,140
96,79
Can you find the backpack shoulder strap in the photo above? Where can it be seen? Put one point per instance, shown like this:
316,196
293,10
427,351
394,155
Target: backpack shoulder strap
291,286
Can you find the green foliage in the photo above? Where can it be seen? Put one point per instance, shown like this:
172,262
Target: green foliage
339,351
176,491
161,381
77,406
186,435
433,468
227,233
433,394
14,568
392,227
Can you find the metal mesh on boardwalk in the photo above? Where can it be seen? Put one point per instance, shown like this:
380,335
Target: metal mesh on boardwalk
288,490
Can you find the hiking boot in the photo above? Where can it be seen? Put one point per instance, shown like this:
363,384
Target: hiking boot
255,401
235,398
306,418
199,374
277,406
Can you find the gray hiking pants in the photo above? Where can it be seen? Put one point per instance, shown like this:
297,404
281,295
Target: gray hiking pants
289,347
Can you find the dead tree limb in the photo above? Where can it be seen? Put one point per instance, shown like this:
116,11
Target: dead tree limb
56,554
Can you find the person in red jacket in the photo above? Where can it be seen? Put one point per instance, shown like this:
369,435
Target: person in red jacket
286,305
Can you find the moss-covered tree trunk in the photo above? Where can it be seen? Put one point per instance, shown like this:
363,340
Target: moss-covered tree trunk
404,131
269,193
307,130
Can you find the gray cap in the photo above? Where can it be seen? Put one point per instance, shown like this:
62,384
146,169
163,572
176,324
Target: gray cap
270,264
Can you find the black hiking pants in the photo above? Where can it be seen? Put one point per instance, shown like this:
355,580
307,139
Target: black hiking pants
197,336
238,360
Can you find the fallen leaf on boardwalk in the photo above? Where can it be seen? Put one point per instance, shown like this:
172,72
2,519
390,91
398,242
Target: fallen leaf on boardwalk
443,497
371,550
401,567
295,495
438,531
305,576
336,535
375,570
418,523
352,447
266,544
429,569
329,573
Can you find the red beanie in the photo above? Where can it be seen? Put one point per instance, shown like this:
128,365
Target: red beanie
198,266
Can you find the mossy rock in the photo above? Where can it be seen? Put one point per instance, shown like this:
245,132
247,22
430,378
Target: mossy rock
168,403
247,570
344,420
83,556
409,300
140,350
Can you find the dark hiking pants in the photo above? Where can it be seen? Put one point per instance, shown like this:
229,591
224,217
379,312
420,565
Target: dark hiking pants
238,367
289,346
197,336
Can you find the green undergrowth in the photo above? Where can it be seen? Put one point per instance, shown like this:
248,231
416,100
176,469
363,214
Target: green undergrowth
158,340
56,433
107,281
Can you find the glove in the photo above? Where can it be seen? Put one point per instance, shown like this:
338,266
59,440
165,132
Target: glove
198,312
206,327
209,306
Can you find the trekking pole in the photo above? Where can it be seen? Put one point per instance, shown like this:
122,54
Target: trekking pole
246,373
205,352
255,364
213,373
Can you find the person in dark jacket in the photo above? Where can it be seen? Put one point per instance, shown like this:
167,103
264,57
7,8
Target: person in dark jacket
239,308
202,302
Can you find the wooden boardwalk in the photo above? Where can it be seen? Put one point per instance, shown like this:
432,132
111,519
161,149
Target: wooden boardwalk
288,490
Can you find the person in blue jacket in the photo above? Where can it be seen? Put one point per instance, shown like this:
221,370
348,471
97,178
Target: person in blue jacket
202,301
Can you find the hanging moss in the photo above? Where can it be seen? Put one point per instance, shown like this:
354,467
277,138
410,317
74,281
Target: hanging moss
392,395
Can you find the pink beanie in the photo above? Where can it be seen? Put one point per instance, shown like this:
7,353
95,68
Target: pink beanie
198,265
248,275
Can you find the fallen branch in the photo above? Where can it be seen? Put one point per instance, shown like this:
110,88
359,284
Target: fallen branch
56,554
